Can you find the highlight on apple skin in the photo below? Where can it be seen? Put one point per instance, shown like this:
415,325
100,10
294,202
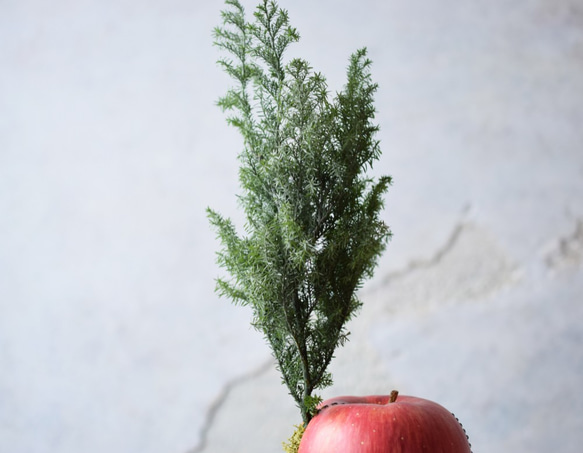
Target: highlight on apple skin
383,424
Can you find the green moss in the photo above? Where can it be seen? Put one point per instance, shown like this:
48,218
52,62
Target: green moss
293,443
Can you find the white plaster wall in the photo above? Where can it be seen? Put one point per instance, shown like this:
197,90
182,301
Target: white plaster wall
111,338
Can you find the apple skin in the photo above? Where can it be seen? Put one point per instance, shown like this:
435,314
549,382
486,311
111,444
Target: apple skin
374,424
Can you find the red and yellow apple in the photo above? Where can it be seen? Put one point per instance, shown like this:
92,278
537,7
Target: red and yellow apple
383,424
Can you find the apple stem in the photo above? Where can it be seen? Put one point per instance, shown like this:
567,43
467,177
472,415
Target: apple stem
393,396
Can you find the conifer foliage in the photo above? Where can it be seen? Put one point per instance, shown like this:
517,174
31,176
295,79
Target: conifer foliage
313,231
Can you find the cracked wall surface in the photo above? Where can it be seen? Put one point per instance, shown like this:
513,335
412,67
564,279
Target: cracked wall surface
567,252
476,267
221,400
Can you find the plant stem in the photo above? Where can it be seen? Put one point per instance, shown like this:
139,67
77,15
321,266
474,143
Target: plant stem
393,397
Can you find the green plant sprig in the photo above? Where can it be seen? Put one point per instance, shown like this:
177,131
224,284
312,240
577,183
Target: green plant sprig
313,233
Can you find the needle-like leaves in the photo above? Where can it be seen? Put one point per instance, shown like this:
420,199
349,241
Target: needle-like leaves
313,230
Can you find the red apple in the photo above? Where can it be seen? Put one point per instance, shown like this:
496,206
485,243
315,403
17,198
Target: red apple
383,424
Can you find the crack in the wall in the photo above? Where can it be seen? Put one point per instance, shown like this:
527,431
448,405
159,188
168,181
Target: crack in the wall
417,264
469,265
220,400
437,257
567,251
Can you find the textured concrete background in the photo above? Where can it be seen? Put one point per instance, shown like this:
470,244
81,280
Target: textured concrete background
111,338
